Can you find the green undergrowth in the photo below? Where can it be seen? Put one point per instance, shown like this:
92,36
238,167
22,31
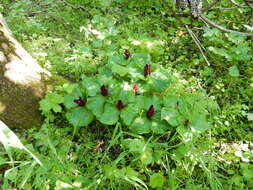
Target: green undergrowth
144,110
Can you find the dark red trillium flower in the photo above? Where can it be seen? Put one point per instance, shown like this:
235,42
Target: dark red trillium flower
120,105
150,112
186,123
136,89
79,102
147,70
127,54
104,90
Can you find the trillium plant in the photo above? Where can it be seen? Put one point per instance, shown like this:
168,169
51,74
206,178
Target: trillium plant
139,95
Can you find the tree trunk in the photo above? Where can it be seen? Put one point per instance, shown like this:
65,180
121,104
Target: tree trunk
22,83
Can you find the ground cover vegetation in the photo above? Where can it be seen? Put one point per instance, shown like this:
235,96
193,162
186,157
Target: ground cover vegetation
144,109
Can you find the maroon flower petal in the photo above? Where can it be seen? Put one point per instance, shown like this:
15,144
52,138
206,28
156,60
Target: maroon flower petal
79,102
150,112
147,70
136,89
104,90
127,54
120,105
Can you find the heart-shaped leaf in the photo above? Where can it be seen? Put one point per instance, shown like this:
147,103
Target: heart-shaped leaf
80,116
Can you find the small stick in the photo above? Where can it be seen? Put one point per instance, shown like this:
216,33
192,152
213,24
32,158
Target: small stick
197,42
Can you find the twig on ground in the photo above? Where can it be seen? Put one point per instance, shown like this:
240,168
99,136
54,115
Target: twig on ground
211,23
197,42
239,5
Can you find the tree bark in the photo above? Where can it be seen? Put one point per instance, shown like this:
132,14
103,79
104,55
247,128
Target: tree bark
22,83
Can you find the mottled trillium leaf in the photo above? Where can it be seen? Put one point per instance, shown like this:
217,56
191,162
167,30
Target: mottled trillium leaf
128,114
198,123
170,115
117,59
144,102
96,105
91,86
69,98
233,71
160,80
120,70
110,115
141,125
171,100
79,116
157,125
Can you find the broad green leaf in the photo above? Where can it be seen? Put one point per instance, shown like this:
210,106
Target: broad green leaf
171,100
110,115
145,101
117,59
121,70
157,180
79,116
170,115
126,93
69,98
91,86
51,101
135,73
96,105
233,71
128,114
160,80
141,125
158,127
198,123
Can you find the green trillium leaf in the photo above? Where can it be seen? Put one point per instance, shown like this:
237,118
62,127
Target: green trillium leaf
110,115
170,115
69,98
120,70
128,114
141,125
91,86
199,123
79,116
96,105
